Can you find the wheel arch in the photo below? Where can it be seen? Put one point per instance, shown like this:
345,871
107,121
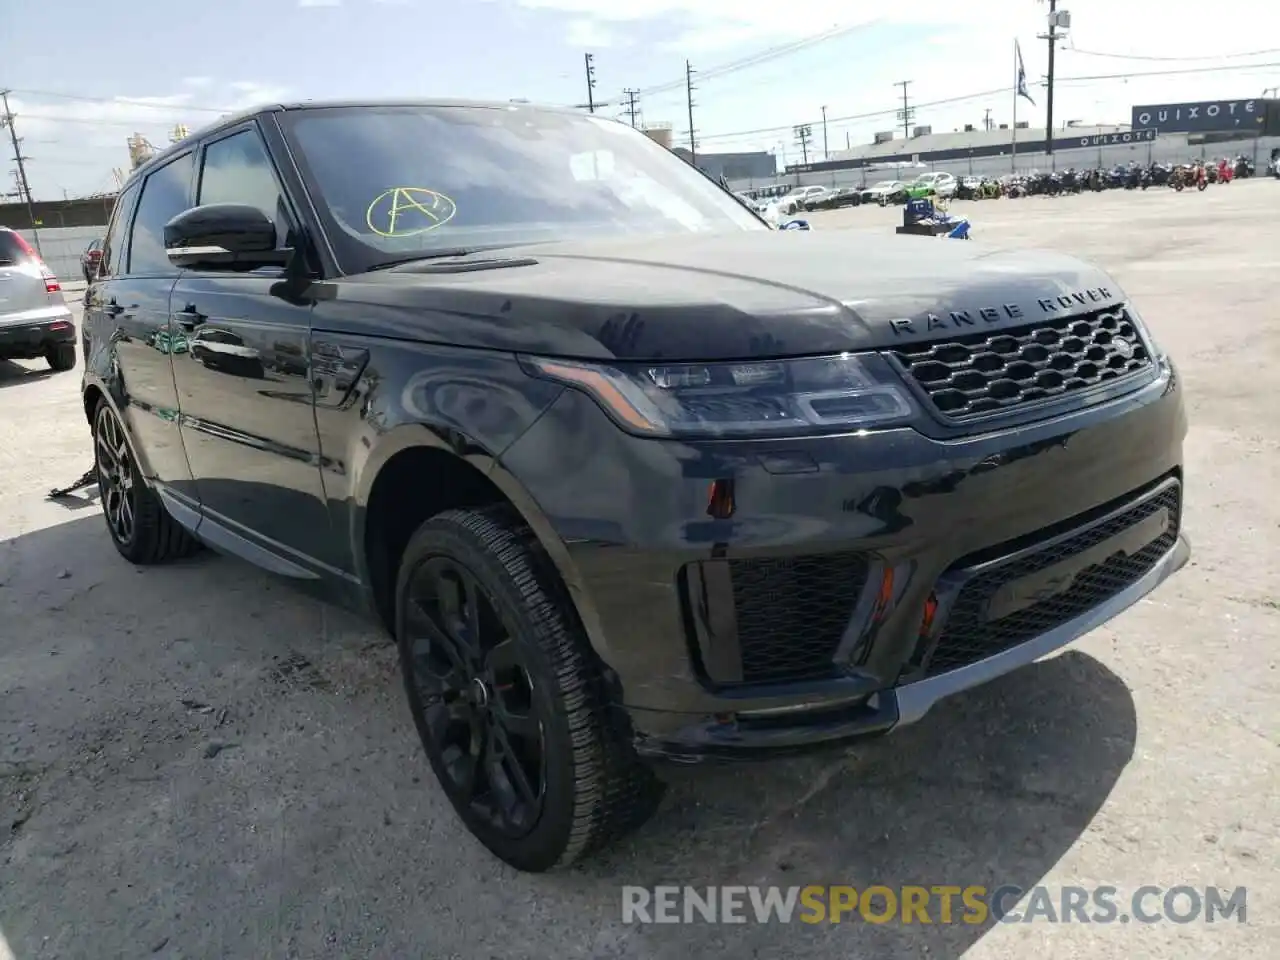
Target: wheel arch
94,390
467,475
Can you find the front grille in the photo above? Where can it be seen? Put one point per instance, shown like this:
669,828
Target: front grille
982,374
968,636
792,613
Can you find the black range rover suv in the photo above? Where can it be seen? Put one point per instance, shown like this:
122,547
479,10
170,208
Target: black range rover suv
628,474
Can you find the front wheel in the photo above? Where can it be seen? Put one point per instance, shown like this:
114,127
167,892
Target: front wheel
507,696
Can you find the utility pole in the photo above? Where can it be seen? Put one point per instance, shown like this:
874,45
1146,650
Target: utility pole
688,93
803,134
826,154
1052,36
591,83
631,103
986,122
24,186
906,114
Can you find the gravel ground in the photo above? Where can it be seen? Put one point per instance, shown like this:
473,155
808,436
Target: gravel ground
197,761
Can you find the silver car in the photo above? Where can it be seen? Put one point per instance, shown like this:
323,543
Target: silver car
35,320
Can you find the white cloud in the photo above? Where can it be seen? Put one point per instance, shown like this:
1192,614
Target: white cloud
74,144
590,34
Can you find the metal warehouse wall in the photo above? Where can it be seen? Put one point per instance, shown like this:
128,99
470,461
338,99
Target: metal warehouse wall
1162,150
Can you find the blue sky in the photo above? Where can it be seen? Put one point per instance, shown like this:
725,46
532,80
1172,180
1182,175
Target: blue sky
153,64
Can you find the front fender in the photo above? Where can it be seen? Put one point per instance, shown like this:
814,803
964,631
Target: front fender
472,404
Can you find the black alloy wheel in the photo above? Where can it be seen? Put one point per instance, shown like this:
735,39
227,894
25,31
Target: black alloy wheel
508,697
476,696
116,476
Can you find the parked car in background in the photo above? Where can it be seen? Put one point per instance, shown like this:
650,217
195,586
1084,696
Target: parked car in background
938,184
90,259
35,320
796,200
834,199
886,191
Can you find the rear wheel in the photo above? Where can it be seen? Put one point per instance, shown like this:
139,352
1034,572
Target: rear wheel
507,697
61,356
140,527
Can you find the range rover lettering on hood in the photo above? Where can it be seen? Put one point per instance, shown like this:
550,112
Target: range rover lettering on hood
975,317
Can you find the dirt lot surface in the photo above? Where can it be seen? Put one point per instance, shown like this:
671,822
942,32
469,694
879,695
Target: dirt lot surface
196,761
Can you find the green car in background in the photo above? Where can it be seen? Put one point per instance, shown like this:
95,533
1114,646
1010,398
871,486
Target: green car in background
167,342
936,184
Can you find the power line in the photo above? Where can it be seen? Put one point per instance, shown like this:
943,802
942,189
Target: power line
755,59
874,114
1170,73
126,101
1138,56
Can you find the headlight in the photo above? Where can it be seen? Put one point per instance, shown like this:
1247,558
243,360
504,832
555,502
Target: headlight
749,399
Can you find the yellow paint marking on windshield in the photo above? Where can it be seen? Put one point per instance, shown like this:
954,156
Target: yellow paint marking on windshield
405,211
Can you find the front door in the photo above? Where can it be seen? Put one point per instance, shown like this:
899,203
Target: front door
248,423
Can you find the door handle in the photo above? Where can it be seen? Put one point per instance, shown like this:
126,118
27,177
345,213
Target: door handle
190,318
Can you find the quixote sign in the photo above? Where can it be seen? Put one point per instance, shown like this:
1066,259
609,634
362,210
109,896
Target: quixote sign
1125,136
1205,116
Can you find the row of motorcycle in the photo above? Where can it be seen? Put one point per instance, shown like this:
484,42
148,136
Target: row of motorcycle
1195,175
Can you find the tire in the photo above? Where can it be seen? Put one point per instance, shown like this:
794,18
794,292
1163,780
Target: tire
152,536
590,787
61,356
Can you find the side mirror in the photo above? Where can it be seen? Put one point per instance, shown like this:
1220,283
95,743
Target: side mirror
224,236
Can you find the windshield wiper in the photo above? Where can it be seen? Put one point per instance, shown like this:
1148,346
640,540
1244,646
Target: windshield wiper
433,255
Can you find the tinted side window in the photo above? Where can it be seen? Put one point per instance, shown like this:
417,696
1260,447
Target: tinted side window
114,246
165,194
238,170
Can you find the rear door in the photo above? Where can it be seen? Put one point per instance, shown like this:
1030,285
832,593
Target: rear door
128,310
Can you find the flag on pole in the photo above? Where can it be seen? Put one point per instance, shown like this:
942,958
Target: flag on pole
1021,89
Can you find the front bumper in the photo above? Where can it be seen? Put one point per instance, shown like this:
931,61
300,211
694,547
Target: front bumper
21,340
891,526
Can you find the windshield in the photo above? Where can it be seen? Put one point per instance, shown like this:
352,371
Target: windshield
885,184
397,182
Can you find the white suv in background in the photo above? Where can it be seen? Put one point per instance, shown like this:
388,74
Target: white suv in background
795,201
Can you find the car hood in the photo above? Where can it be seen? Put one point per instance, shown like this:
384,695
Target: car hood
717,297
